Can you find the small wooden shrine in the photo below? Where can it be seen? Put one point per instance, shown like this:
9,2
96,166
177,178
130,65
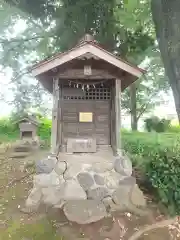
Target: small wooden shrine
86,83
28,127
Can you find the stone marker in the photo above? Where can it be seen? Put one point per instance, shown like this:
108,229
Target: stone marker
84,211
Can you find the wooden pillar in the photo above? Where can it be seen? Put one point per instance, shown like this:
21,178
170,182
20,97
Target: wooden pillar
54,130
59,140
118,115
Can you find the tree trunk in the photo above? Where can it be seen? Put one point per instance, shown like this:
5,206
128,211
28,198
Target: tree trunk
167,18
134,119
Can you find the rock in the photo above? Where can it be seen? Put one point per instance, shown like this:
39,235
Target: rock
85,180
127,181
111,179
29,210
137,197
26,165
86,167
34,198
60,204
47,180
20,154
84,211
102,167
52,195
99,179
72,171
69,190
60,167
121,196
107,201
73,191
22,148
111,206
98,193
123,166
45,165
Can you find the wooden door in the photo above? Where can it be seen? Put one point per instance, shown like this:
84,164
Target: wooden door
95,101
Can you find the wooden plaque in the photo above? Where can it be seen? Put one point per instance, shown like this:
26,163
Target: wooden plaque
85,117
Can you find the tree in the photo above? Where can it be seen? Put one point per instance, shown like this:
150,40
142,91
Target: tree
121,27
166,18
146,93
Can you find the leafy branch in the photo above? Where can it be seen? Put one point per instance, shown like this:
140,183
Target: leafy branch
20,40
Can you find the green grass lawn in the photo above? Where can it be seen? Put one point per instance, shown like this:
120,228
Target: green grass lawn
160,138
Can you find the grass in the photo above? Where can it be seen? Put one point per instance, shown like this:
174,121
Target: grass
14,225
164,138
40,230
8,137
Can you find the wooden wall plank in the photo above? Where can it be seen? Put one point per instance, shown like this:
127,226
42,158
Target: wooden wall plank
97,74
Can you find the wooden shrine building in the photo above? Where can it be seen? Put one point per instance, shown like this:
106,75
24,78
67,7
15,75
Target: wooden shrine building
86,83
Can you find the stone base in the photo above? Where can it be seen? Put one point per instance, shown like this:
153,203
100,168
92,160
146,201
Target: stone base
86,192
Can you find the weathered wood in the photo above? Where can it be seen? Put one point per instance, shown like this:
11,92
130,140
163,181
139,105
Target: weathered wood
99,128
28,127
54,131
113,120
81,50
59,120
97,74
118,115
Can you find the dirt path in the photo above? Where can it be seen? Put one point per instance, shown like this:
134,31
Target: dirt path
52,222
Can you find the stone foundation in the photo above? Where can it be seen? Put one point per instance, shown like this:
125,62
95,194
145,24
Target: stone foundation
86,192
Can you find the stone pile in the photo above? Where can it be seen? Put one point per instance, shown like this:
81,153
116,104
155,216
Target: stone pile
86,192
23,148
